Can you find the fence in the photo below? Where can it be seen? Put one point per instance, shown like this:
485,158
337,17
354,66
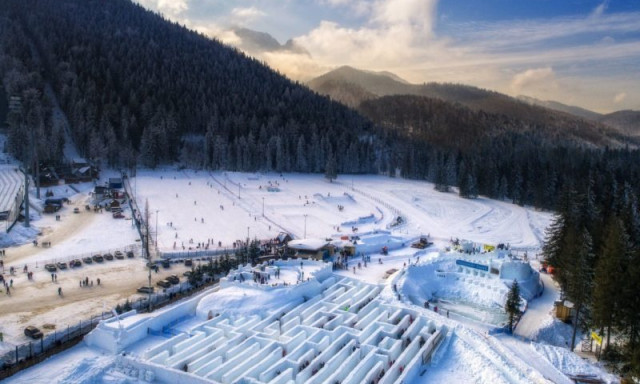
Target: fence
133,203
48,343
32,352
14,212
195,253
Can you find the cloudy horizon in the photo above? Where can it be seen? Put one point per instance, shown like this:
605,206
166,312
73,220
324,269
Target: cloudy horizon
584,53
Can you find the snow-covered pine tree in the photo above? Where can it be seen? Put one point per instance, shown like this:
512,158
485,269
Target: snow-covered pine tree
512,305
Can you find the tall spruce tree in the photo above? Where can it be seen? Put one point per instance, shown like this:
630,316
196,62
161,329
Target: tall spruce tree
512,305
607,301
579,269
331,169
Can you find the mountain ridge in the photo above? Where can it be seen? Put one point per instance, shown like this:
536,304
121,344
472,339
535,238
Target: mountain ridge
353,87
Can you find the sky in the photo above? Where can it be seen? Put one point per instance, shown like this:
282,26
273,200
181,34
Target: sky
578,52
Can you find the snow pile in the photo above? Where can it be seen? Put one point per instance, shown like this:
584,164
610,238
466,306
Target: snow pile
554,332
571,364
277,273
18,235
246,300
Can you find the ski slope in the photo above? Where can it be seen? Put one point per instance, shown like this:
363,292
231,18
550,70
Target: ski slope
196,207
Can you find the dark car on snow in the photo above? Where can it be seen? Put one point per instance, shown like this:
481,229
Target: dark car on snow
33,332
145,289
173,279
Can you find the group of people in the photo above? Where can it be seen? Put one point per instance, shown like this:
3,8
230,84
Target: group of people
7,285
427,305
88,283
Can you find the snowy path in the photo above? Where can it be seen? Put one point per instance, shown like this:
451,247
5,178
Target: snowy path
472,357
60,120
527,353
538,309
511,368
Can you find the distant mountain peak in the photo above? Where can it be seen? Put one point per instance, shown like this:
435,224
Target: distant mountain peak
259,42
557,106
347,70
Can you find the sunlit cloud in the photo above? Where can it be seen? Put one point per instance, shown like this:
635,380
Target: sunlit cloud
596,52
620,97
246,15
170,8
537,78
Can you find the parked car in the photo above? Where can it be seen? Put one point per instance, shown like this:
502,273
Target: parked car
76,210
108,256
50,267
188,263
33,332
173,279
145,289
166,263
61,265
187,274
75,263
97,258
118,215
87,260
130,254
163,283
119,255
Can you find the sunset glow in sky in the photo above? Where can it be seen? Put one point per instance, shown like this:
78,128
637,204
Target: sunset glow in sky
578,52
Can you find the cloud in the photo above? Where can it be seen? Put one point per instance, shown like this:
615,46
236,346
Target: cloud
296,66
619,98
537,78
599,10
356,7
396,31
246,15
170,8
596,51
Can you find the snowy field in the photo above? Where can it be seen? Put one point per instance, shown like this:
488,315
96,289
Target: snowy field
201,209
226,206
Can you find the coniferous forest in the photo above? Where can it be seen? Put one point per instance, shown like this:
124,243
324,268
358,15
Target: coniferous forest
141,91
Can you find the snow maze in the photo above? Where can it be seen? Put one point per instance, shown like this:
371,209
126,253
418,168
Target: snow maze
343,335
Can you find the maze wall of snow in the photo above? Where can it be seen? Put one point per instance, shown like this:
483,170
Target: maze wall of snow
341,335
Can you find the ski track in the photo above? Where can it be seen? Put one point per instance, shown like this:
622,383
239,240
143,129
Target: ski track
510,369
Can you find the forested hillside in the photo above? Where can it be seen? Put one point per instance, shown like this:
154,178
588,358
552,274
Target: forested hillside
140,90
355,87
131,82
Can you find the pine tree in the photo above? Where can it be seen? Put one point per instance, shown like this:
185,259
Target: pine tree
579,274
254,251
301,156
512,305
607,301
330,170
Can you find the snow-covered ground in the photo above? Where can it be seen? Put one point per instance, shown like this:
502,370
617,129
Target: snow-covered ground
212,207
228,206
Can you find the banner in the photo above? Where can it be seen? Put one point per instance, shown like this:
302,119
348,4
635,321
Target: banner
596,337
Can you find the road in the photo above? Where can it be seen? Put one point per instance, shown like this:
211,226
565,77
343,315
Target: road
539,309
